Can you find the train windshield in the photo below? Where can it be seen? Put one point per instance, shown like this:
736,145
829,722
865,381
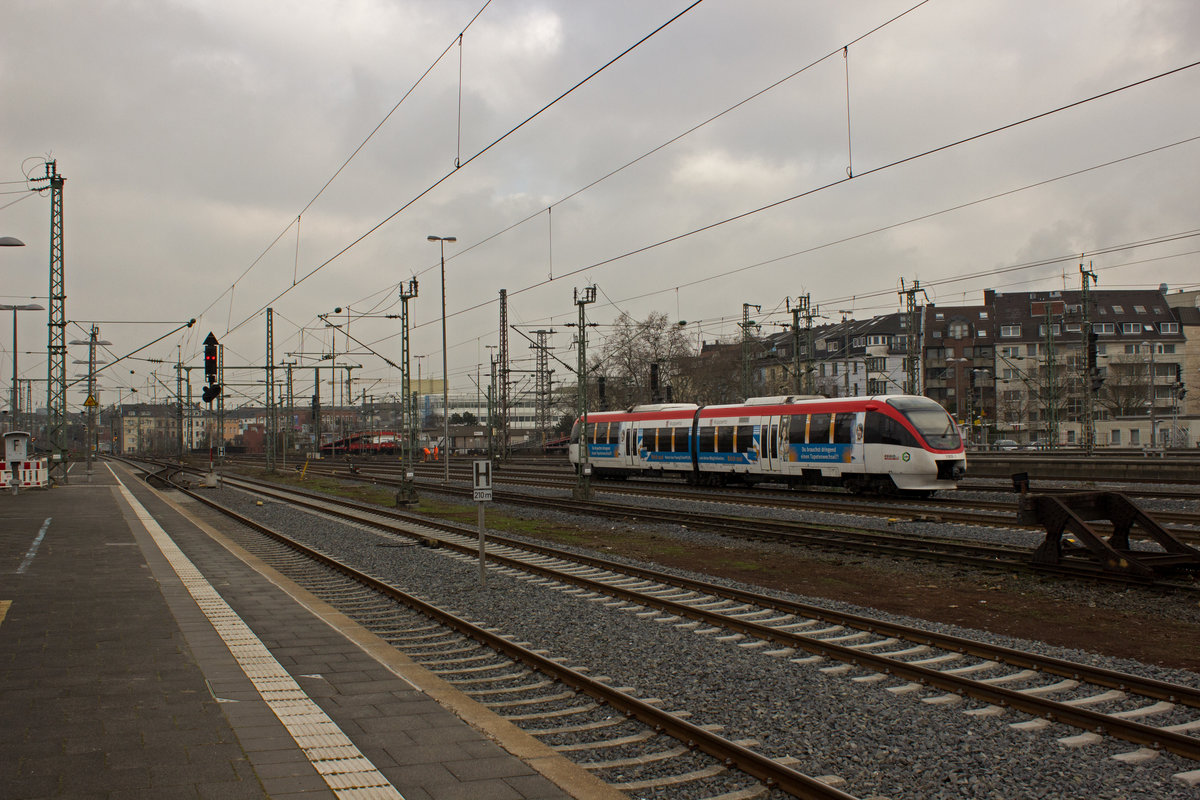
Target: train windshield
932,421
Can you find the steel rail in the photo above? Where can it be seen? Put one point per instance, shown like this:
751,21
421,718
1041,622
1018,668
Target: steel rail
1128,730
765,769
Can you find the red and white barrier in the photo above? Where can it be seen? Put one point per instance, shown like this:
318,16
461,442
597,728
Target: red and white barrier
32,474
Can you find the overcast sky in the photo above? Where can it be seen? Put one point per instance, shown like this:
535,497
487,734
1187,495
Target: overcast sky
195,134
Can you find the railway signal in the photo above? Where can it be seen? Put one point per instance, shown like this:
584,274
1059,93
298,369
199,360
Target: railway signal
213,390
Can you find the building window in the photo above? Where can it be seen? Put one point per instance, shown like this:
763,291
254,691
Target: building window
1031,350
1131,327
1135,437
1116,437
959,330
1104,327
983,315
1118,309
1054,329
1011,351
1010,331
1168,327
1073,327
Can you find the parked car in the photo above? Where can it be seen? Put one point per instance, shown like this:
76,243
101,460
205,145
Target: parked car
1006,444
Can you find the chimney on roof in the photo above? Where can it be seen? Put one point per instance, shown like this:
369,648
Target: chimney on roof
1162,287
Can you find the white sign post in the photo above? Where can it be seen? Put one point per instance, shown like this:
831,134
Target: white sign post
482,471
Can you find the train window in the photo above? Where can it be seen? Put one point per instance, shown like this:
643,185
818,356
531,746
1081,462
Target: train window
708,440
796,429
818,428
664,439
843,428
744,436
882,429
681,440
931,421
724,438
773,438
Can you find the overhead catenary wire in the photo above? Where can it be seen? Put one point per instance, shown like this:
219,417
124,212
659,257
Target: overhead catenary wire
350,158
230,328
874,170
694,128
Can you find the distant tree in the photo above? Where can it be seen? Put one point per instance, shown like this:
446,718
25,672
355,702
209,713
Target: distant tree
625,355
464,418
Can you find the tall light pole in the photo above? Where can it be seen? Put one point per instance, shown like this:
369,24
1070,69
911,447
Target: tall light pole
957,362
441,240
1150,346
15,405
12,241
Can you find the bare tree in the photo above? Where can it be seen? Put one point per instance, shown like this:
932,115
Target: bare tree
1126,389
625,357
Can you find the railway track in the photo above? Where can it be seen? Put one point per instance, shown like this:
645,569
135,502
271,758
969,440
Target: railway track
950,508
890,540
527,686
937,670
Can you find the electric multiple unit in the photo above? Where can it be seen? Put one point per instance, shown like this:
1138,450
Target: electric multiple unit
885,444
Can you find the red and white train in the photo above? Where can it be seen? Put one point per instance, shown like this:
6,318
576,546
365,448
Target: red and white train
884,444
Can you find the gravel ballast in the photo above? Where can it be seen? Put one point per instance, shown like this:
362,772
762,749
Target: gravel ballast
881,744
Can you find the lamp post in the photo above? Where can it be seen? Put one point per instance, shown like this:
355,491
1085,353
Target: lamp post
12,241
957,367
15,404
1153,439
441,240
333,384
983,405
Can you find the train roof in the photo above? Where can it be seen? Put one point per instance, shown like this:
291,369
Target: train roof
760,406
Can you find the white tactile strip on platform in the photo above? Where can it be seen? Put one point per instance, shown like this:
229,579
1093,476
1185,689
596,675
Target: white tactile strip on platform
349,773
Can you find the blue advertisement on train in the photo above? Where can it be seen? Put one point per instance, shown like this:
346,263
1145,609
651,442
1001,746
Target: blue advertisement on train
823,453
657,457
602,450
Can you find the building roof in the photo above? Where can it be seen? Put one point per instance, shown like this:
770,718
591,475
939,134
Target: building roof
1134,313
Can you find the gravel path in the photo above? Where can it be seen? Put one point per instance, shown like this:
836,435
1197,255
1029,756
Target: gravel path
883,745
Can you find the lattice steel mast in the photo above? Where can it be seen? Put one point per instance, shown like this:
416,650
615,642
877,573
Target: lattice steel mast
504,376
272,412
56,345
542,381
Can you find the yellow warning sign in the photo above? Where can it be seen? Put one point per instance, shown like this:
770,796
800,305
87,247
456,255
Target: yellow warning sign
90,402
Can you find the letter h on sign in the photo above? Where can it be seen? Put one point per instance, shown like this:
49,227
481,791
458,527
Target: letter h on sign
483,480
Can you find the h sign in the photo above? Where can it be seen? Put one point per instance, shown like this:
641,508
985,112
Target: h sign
483,480
483,474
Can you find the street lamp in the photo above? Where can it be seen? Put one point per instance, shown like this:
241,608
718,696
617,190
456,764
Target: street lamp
441,240
982,402
15,404
957,362
1150,346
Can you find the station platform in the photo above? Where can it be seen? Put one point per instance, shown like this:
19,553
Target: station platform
142,655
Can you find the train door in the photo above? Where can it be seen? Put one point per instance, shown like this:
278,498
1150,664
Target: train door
768,442
629,444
